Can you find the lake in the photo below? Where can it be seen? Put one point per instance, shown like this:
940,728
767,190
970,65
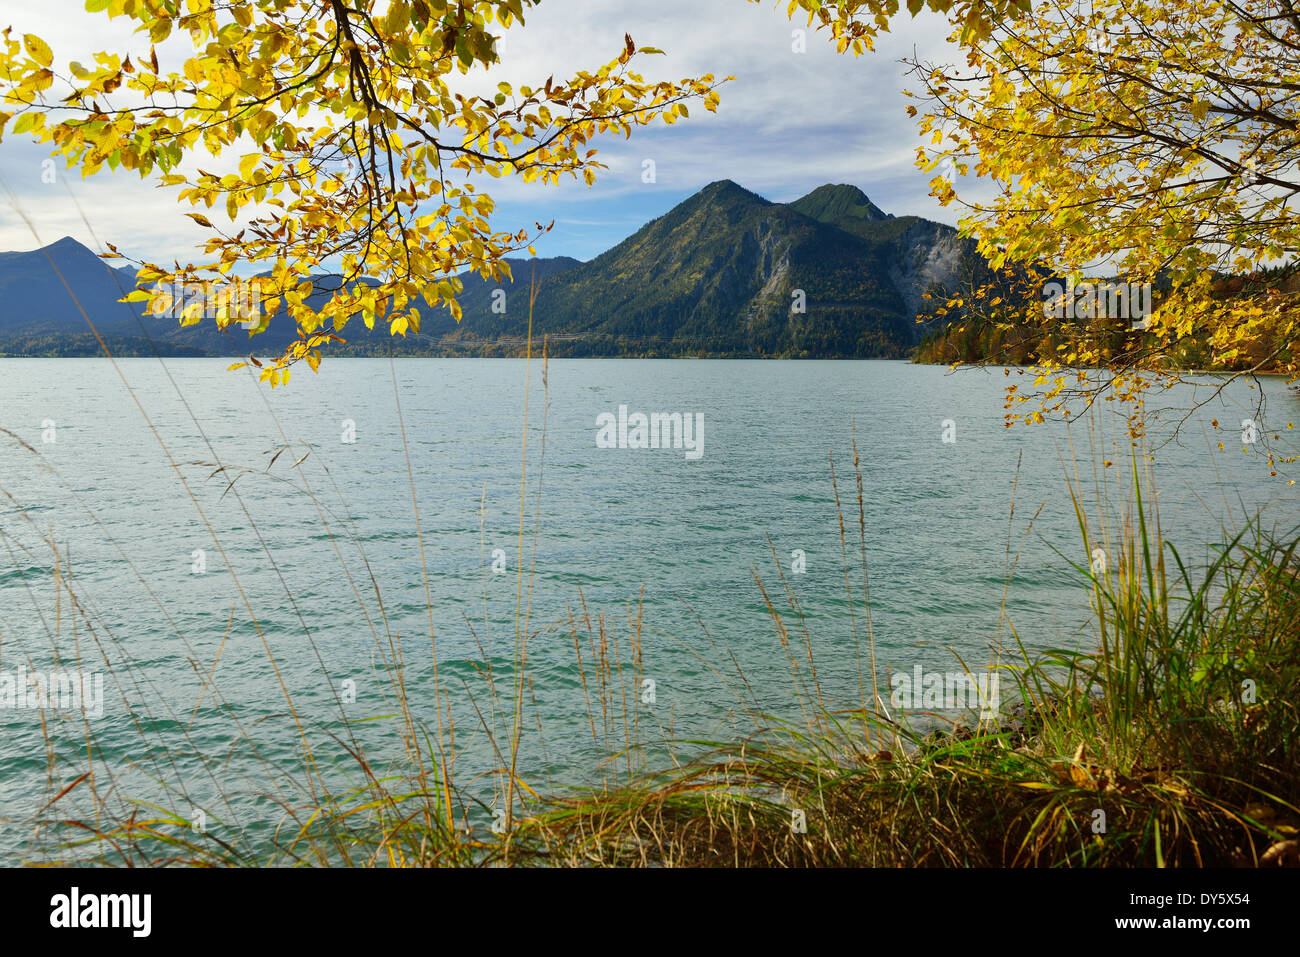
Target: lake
174,517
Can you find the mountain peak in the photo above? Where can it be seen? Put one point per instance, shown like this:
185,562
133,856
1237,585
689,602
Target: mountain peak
846,190
729,189
65,245
839,204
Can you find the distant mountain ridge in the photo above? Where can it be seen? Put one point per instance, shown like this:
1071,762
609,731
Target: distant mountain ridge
724,273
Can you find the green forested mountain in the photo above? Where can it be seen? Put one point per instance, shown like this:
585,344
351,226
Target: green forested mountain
724,273
921,254
719,275
845,206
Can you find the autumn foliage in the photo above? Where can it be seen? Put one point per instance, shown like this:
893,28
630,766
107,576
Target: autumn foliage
343,141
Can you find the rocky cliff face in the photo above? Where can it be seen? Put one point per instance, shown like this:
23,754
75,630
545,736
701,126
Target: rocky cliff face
920,253
927,254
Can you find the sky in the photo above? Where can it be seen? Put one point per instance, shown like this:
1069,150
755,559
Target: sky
788,123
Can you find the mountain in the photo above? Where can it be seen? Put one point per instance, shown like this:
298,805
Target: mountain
718,275
845,206
921,253
45,291
36,299
724,273
477,299
43,316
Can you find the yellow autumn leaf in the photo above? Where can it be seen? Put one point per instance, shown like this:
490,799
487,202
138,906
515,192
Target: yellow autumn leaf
37,49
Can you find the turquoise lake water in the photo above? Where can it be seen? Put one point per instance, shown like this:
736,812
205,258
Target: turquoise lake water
639,535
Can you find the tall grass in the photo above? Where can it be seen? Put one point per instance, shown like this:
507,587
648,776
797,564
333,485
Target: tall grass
1171,740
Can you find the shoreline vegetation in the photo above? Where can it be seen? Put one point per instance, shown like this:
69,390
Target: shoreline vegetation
145,350
1170,738
79,347
1007,319
1153,749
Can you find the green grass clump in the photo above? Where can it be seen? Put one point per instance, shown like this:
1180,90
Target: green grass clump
1173,742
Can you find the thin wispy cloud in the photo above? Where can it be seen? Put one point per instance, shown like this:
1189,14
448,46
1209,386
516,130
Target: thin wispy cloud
787,123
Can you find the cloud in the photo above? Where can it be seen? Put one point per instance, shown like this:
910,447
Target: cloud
787,123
